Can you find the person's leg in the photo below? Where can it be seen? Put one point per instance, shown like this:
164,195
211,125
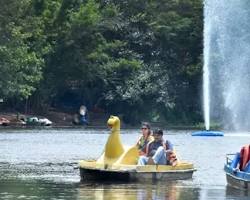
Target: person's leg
168,152
143,160
160,156
247,168
236,160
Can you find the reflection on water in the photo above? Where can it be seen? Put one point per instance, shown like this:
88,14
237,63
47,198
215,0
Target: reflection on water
134,191
241,194
40,164
42,189
38,189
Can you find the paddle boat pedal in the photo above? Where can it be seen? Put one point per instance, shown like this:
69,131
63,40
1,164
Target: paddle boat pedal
120,163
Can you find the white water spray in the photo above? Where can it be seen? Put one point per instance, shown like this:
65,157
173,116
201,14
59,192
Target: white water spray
226,87
206,52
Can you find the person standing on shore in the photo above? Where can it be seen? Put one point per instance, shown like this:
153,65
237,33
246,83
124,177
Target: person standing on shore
83,112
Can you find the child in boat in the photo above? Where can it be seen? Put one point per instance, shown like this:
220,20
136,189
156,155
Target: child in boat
171,156
158,152
144,139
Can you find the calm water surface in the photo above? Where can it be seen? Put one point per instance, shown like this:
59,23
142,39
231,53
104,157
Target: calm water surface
40,164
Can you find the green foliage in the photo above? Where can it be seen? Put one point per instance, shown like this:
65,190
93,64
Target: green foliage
20,71
20,65
140,59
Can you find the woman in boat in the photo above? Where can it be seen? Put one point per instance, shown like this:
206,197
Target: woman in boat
144,139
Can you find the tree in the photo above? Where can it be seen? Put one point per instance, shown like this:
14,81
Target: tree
166,37
20,64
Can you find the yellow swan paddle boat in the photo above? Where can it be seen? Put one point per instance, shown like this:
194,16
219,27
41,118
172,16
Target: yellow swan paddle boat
120,163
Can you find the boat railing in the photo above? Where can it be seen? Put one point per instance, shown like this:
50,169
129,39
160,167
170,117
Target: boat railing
229,157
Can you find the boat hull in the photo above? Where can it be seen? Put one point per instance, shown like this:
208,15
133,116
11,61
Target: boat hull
237,179
104,175
137,173
237,183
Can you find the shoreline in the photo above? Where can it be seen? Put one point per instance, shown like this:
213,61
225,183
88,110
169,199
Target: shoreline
75,127
63,120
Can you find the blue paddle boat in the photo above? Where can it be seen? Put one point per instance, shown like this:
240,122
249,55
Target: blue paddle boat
208,133
237,176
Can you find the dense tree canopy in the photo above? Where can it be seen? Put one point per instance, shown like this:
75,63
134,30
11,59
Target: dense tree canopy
137,58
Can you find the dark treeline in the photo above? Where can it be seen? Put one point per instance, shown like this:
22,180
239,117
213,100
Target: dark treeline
141,59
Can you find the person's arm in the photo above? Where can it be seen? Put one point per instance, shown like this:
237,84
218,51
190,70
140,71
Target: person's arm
138,141
141,153
163,144
147,148
169,145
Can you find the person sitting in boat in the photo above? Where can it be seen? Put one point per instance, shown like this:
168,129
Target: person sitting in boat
245,158
144,139
157,152
170,154
241,160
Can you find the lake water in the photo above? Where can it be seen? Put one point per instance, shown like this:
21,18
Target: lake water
40,164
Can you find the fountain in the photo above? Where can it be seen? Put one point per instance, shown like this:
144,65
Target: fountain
213,47
229,61
226,53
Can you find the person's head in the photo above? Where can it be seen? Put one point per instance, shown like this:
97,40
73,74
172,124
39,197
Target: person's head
145,129
157,134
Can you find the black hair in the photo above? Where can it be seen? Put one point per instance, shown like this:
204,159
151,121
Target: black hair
146,125
158,131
